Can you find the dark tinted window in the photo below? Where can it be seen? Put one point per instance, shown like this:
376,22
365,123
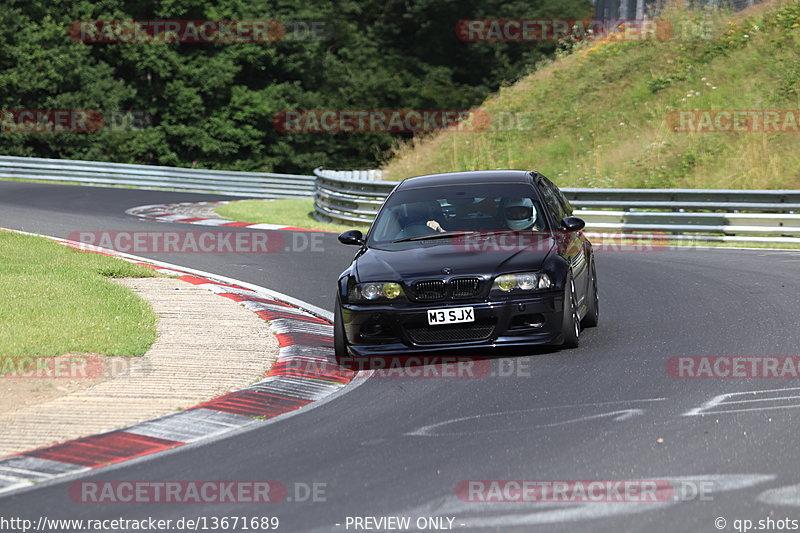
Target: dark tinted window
564,207
552,200
476,207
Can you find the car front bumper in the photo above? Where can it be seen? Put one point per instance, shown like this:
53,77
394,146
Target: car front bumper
401,328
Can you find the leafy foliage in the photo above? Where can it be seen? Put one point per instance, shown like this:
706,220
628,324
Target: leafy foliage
212,104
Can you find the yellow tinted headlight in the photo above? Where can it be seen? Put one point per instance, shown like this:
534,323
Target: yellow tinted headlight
506,282
392,290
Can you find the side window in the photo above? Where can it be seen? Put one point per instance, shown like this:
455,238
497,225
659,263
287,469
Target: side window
554,204
566,208
564,202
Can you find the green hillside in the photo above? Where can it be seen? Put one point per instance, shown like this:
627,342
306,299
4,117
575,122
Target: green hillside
603,113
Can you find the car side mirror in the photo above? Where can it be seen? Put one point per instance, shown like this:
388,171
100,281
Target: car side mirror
573,223
352,236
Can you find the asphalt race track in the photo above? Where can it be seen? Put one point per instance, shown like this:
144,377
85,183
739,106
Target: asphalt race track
400,447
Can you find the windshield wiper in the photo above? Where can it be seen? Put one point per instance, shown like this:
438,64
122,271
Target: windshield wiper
429,236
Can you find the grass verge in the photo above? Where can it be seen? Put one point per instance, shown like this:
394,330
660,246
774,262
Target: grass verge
58,300
296,212
603,113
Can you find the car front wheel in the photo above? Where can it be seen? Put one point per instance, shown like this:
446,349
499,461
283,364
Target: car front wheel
339,339
571,322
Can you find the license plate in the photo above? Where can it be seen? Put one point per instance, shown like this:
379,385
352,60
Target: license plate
455,315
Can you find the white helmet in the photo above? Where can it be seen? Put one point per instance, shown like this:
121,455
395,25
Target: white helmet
519,213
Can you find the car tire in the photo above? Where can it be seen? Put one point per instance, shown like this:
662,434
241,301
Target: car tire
571,323
593,310
340,352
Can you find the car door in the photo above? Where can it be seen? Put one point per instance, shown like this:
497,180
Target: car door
571,245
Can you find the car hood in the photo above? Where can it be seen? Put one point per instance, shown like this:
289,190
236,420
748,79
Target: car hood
476,256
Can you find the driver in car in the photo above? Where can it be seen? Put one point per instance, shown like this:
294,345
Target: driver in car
519,214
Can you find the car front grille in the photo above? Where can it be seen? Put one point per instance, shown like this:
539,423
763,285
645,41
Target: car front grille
429,291
473,331
433,290
464,287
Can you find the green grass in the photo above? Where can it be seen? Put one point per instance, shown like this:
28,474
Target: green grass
744,244
52,182
290,212
84,184
599,114
57,300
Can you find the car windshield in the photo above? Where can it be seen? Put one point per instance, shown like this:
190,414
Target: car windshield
442,211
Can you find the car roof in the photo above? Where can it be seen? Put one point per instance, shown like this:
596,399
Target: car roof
466,178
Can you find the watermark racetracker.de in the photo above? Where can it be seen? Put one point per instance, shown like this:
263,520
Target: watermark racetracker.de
535,241
72,367
410,367
202,241
733,367
400,121
198,31
583,490
538,30
196,491
735,121
71,120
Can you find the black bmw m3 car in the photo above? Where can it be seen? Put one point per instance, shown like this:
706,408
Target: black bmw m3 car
467,260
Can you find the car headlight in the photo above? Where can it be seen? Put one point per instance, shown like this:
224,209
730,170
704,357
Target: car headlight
375,291
523,281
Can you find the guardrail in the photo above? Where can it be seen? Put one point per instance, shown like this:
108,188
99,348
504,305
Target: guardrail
251,184
704,214
340,197
638,9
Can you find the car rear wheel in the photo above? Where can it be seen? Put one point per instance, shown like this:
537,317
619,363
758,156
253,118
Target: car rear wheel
593,311
571,323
